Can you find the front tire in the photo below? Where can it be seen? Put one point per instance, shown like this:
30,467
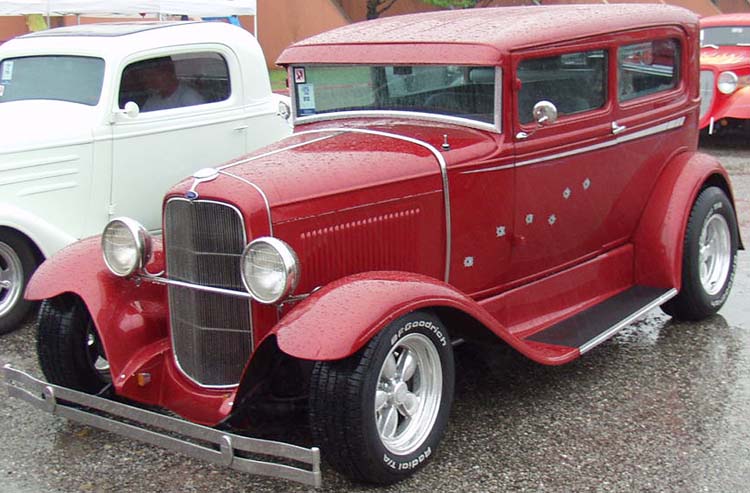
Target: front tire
69,348
379,415
709,257
17,263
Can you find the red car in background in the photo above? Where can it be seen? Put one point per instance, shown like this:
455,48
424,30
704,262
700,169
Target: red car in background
725,72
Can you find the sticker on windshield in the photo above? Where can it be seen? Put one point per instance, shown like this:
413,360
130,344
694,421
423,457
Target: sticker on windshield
299,75
2,90
737,30
7,71
306,99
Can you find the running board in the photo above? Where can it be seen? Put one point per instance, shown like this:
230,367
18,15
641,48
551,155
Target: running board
595,325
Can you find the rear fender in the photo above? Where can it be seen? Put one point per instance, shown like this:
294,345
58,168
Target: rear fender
337,320
659,237
128,316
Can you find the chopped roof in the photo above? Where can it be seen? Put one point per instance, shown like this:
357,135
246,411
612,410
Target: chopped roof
726,20
489,32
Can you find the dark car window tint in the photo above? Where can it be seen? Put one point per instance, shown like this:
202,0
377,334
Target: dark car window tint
647,68
573,82
175,81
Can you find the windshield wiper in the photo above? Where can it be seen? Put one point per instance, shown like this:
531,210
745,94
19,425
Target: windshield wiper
710,45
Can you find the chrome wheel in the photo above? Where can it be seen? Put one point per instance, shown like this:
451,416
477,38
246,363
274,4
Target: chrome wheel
11,278
715,253
95,353
408,394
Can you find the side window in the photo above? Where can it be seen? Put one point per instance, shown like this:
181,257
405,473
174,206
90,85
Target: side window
175,81
573,82
647,68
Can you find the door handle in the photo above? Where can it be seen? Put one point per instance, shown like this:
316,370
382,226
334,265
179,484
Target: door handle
240,128
616,129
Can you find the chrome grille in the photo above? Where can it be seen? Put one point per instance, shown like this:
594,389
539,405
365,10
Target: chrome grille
211,333
707,91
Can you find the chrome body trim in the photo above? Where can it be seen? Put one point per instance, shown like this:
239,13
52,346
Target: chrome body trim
275,151
260,191
443,172
619,139
156,279
208,444
626,321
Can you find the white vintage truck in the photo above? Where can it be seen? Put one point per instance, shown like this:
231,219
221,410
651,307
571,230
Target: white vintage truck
98,120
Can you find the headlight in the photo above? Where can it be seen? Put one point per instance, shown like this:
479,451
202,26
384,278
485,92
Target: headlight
284,111
727,82
126,246
270,269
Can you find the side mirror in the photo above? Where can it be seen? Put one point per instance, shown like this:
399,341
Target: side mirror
545,113
132,110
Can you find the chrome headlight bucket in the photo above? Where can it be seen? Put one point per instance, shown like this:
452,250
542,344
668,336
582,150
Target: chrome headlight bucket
126,246
727,82
270,269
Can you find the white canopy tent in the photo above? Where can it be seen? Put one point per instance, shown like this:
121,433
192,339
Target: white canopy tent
199,8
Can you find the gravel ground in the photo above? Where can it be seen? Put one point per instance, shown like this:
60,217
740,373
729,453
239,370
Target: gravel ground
663,406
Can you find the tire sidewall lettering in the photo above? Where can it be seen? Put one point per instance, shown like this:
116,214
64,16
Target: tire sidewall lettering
429,329
398,465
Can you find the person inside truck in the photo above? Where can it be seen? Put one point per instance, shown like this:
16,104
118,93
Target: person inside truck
166,90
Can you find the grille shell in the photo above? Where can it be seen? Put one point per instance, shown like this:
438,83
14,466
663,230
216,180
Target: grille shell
212,334
707,91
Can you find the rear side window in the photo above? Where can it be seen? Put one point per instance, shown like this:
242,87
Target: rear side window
573,82
648,68
175,81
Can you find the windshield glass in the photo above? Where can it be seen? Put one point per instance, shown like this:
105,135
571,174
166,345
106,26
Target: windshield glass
64,78
454,90
726,36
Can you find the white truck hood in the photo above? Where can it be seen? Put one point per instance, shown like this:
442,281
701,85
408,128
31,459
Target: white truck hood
28,125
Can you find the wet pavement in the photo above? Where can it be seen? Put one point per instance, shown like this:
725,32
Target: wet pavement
663,406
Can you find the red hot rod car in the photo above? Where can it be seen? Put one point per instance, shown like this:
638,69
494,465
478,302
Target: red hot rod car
529,174
725,71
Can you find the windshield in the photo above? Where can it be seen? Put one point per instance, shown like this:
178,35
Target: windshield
453,90
64,78
726,36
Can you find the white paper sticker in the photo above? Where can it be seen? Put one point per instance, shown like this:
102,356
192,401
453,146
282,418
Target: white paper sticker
737,30
306,97
7,71
2,90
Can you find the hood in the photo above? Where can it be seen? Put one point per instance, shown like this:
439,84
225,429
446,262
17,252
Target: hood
726,57
28,125
338,161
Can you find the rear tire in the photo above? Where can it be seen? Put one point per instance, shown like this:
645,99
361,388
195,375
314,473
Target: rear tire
69,348
17,263
709,257
379,415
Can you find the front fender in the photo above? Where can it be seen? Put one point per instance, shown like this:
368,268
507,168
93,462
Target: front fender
127,316
47,237
735,105
337,320
659,237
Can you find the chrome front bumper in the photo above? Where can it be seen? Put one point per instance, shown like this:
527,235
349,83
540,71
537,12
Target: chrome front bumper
208,444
